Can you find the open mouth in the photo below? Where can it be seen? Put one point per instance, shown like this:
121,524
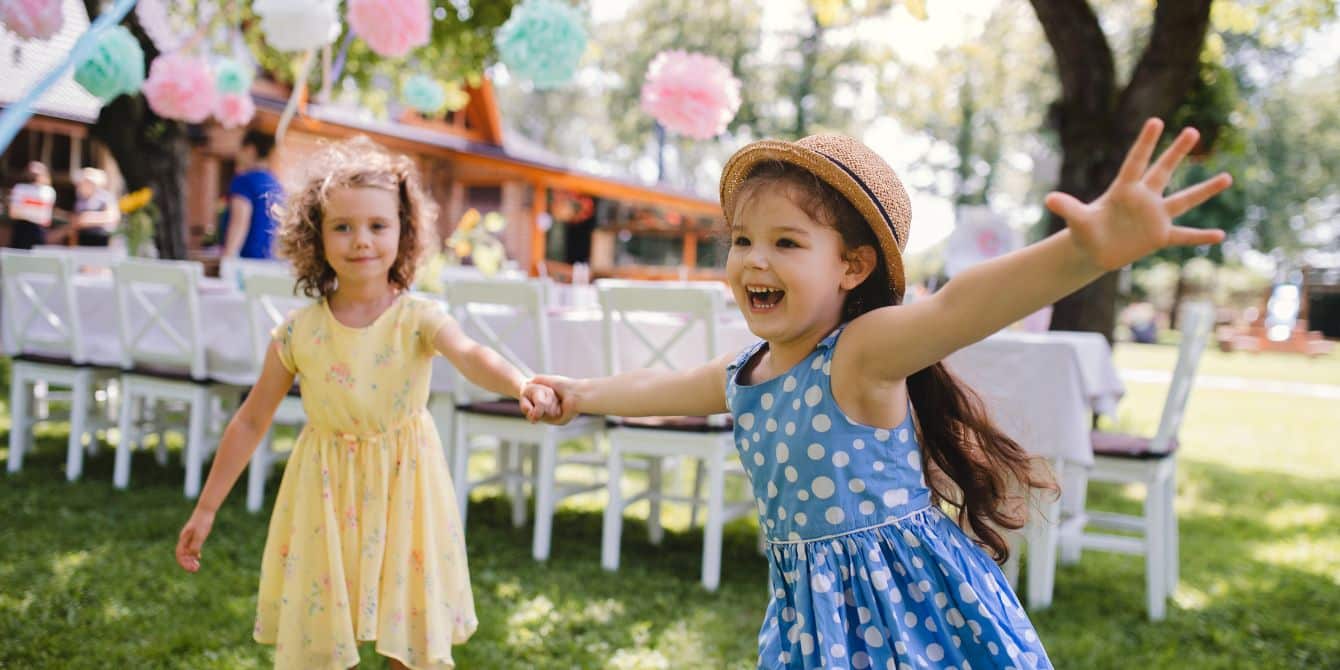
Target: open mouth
764,298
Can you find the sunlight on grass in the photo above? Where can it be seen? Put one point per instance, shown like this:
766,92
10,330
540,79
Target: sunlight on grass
64,566
1312,555
1295,516
1266,365
638,659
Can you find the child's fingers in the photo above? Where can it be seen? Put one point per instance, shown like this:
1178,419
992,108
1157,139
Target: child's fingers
1190,197
188,550
528,408
1138,157
1158,176
1190,237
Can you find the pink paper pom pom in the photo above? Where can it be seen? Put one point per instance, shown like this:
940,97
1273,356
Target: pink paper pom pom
234,110
391,27
32,19
690,93
180,87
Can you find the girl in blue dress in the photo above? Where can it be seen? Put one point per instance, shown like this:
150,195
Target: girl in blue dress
854,435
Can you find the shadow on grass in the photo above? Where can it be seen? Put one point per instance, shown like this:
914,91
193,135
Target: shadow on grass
87,580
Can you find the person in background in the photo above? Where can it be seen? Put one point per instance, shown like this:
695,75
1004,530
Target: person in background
95,210
252,196
31,204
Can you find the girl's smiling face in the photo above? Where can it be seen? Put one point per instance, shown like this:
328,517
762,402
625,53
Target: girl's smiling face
790,274
361,233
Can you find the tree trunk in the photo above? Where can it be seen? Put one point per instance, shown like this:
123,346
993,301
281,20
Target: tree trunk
1097,121
149,150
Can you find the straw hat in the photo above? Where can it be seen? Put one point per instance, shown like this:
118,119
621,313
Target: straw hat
858,173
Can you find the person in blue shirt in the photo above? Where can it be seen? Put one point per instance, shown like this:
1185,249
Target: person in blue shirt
252,196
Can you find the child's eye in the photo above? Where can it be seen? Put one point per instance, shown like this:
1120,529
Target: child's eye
741,241
341,227
787,242
379,226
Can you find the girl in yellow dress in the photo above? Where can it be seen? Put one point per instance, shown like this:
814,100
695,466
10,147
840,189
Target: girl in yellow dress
365,542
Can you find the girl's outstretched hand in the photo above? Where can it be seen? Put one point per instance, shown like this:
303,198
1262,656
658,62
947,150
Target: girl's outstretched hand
192,537
1133,218
539,402
563,390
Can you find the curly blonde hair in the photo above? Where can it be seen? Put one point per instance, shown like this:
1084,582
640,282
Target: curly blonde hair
356,162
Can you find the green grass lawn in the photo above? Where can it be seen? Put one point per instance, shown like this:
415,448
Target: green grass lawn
87,578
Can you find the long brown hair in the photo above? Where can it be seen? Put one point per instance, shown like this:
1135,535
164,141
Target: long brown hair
954,429
356,162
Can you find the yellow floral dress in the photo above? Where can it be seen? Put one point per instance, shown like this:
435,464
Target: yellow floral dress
365,542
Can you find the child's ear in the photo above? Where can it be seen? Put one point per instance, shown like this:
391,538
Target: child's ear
860,261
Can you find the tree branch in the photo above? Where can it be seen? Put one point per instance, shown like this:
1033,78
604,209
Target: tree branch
1083,56
1168,65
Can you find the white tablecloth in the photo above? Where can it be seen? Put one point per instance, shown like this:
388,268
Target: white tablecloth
1042,389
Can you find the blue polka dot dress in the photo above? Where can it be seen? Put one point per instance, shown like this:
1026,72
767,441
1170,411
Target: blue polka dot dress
864,571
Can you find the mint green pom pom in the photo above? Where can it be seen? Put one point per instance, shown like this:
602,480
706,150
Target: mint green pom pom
116,66
423,94
543,41
230,77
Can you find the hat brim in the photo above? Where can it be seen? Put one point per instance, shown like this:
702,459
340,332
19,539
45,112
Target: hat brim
742,163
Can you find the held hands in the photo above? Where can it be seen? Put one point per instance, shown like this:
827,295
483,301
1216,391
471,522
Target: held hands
564,389
539,402
192,537
1133,218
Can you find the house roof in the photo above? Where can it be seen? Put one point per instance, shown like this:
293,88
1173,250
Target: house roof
24,62
517,155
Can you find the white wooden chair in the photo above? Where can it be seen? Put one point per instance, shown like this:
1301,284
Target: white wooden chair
42,333
235,270
1130,459
163,359
84,258
522,305
628,308
270,298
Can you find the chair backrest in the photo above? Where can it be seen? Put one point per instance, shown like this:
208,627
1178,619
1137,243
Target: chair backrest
506,315
158,315
657,318
102,258
1195,320
270,298
235,270
40,312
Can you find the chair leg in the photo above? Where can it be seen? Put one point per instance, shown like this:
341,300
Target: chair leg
613,526
697,492
20,425
1076,493
258,472
460,468
1156,582
81,397
512,466
1171,549
195,440
121,472
545,502
716,494
160,446
1042,531
655,492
